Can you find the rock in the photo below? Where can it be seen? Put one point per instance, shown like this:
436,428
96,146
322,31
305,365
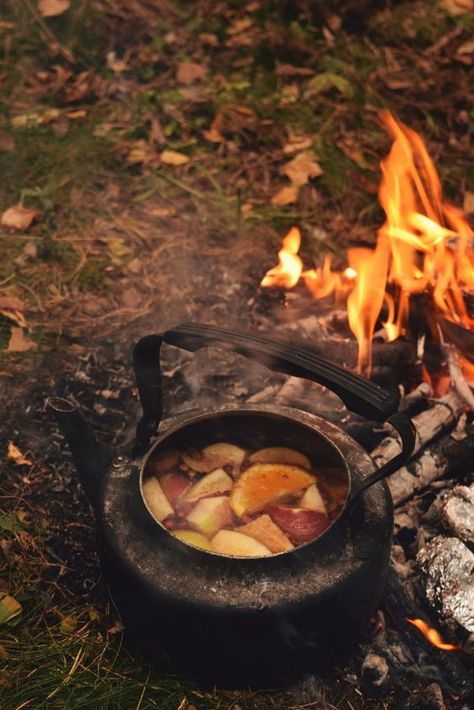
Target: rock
374,669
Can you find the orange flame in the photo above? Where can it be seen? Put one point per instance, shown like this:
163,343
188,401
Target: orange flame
432,635
425,244
288,271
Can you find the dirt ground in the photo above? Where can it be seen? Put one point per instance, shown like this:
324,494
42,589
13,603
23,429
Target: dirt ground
152,156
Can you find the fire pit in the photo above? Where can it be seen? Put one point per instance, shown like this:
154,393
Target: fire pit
260,621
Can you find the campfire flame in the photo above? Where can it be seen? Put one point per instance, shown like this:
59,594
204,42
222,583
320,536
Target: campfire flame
425,245
432,635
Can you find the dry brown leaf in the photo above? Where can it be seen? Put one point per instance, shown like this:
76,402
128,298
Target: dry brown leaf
12,308
141,152
214,135
466,47
296,144
458,7
301,169
286,196
135,265
52,8
290,70
19,343
468,202
7,142
240,26
189,72
131,297
18,217
14,454
172,157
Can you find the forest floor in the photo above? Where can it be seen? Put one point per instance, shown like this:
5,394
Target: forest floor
152,155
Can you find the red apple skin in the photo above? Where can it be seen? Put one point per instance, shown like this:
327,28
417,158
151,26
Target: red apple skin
174,485
299,524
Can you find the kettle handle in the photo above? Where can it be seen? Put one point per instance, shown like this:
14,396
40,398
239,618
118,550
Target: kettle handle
361,396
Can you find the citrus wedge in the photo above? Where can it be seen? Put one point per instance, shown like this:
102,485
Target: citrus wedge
264,483
280,454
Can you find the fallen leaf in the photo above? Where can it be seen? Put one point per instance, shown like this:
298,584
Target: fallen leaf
286,196
9,608
290,70
214,135
7,143
18,217
131,297
296,144
468,202
52,8
458,7
12,308
117,65
172,157
328,80
301,169
135,266
240,26
162,212
141,152
466,47
189,72
3,653
68,625
74,115
18,343
14,454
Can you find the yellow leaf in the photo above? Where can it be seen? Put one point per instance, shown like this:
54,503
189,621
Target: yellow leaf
9,608
52,8
14,454
172,157
18,217
301,169
286,196
68,625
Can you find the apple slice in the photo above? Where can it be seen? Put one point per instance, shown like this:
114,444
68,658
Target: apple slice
301,525
174,485
280,454
214,456
313,500
156,500
162,462
265,531
192,537
264,483
230,542
216,482
210,515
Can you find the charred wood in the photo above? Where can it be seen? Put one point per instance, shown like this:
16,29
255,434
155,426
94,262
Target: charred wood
428,424
412,653
443,458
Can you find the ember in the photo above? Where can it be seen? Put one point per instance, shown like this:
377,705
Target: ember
432,635
425,245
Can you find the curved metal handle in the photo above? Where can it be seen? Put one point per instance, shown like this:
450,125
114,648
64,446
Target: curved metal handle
359,395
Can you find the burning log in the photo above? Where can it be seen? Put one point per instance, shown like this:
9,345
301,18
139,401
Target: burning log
409,651
442,458
428,424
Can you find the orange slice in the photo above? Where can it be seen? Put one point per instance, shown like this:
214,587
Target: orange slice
265,483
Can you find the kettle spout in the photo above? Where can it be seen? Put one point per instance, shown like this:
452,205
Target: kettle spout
90,458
